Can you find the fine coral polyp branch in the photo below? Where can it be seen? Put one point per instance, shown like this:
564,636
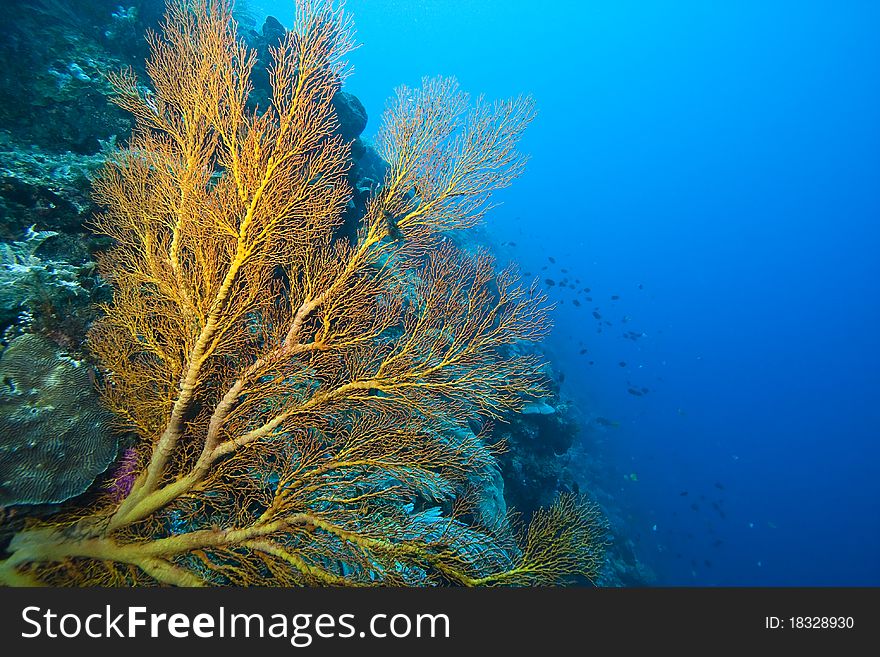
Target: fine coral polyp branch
297,395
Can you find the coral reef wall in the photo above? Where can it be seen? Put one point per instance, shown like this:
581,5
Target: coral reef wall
57,127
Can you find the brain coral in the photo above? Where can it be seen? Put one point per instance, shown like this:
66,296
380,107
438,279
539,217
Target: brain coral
54,436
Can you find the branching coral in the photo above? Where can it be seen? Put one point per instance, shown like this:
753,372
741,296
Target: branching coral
292,389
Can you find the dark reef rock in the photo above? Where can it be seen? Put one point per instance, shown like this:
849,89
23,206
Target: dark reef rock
351,114
49,189
535,465
268,37
553,448
54,436
273,31
54,57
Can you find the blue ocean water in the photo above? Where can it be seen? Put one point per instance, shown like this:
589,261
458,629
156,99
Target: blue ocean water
717,167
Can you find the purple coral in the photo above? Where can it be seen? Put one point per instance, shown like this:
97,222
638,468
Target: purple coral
123,478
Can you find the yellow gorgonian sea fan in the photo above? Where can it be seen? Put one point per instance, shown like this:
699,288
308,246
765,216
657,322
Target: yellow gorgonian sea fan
301,398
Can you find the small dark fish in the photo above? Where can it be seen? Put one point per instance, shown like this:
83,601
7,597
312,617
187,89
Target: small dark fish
641,287
592,362
576,302
583,351
587,290
615,297
645,391
683,493
678,555
561,301
719,486
622,363
561,377
564,271
708,563
544,268
722,514
551,259
597,315
589,298
550,282
633,391
528,273
599,330
607,323
695,506
572,286
511,243
578,281
717,543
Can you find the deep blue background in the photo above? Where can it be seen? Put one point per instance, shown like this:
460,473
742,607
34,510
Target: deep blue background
726,156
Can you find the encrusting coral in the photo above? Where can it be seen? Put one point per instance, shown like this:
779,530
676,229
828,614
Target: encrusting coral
54,437
299,396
